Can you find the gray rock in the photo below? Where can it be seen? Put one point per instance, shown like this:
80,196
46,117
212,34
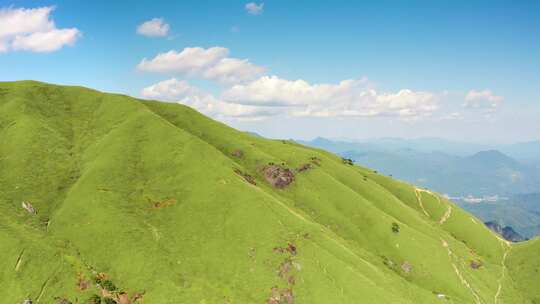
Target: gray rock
28,207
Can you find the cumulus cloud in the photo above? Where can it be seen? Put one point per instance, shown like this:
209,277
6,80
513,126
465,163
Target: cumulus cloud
250,95
483,100
211,63
348,98
33,30
253,8
189,61
270,96
153,28
45,41
180,91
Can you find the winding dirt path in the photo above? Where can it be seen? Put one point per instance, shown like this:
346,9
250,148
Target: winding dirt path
446,215
19,261
458,273
418,193
501,278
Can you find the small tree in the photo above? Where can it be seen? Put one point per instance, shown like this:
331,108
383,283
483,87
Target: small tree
395,227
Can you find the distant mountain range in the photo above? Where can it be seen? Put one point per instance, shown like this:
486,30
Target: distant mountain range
527,152
441,166
494,182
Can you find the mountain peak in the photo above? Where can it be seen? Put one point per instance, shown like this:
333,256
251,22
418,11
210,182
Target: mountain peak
493,156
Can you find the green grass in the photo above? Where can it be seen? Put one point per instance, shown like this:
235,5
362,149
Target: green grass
94,165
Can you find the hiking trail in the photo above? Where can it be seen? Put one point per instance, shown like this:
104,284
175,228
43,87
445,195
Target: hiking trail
501,278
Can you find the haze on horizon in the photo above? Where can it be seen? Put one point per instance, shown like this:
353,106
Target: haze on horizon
460,71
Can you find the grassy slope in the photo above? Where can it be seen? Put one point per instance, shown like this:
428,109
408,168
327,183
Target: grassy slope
91,162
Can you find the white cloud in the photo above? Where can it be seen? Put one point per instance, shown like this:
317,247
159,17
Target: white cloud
33,30
181,91
254,9
232,70
169,90
484,100
45,41
188,61
211,63
153,28
348,98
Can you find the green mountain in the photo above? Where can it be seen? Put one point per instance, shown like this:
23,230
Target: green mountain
111,199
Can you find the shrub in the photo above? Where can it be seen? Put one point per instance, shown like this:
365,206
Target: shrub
395,227
94,299
108,285
347,161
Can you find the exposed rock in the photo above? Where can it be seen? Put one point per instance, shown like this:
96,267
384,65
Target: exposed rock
27,301
285,268
137,296
304,167
287,296
441,296
275,296
475,264
28,207
406,267
278,177
123,298
83,284
238,153
291,249
62,301
248,178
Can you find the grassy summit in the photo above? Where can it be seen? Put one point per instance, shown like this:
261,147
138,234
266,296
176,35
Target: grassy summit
146,200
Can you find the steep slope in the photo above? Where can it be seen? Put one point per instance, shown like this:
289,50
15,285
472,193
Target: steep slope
524,268
174,207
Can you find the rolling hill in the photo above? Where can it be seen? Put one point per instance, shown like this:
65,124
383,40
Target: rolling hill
127,200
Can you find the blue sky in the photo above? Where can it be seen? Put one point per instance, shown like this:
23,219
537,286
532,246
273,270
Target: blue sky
462,70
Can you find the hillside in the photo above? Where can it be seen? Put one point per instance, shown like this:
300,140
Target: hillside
162,203
489,184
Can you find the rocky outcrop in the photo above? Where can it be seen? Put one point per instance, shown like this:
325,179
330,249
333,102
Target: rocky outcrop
278,177
507,232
